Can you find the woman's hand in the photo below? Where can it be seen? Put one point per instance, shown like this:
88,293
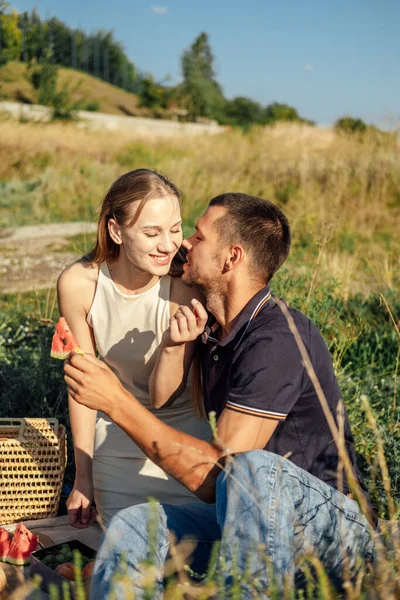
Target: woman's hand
186,325
81,513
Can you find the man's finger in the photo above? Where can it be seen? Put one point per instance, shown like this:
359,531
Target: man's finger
75,375
84,362
71,385
70,390
91,358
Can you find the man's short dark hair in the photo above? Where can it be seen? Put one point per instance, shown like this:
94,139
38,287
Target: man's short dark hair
257,224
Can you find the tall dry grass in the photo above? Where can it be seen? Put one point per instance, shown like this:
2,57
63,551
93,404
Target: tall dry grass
60,172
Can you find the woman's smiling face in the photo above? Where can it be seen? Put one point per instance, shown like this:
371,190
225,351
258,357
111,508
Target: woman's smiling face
155,237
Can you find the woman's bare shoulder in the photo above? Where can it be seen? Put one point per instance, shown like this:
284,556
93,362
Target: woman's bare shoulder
80,277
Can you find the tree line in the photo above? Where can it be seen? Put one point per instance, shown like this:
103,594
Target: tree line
37,42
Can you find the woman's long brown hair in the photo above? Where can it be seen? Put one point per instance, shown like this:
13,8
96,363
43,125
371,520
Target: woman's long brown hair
134,187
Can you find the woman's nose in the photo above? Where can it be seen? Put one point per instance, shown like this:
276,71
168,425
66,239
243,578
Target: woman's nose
187,244
167,244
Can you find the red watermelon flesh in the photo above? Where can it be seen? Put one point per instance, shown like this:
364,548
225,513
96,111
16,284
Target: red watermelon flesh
63,342
5,543
23,543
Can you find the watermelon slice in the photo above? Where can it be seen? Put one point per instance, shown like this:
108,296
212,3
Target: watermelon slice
5,543
63,342
23,543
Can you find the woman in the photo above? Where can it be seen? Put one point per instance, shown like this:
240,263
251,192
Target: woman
118,302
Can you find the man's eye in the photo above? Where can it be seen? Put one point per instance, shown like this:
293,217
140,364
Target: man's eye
198,239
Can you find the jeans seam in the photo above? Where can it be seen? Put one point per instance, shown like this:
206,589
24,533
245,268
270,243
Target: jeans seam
272,512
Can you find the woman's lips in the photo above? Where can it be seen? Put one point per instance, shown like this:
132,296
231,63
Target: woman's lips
161,260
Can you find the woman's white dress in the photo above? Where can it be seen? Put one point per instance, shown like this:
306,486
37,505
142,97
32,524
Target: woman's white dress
128,331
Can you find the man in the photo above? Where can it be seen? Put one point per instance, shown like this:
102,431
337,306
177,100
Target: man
277,499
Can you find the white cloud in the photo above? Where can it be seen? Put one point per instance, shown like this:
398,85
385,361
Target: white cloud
309,68
159,10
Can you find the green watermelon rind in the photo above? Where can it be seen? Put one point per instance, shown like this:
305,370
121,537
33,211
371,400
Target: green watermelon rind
59,355
63,355
19,562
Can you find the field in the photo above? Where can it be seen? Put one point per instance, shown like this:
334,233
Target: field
342,198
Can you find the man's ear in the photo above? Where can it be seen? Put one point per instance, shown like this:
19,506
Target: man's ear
115,231
234,258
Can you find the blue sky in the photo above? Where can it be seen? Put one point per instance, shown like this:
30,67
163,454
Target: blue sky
327,58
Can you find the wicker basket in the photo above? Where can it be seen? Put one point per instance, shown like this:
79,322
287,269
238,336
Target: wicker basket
33,455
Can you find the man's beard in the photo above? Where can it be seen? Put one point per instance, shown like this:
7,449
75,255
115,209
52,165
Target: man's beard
187,279
208,286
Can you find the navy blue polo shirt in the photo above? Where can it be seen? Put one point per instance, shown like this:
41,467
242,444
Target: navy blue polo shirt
257,370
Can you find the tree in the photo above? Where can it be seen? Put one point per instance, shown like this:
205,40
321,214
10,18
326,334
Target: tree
96,53
200,93
10,35
152,94
43,77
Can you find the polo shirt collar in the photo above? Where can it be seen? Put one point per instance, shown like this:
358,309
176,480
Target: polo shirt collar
244,320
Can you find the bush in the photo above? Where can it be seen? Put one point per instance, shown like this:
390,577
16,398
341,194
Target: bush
92,106
43,77
350,125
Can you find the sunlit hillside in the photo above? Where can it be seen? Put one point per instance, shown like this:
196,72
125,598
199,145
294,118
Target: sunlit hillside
14,86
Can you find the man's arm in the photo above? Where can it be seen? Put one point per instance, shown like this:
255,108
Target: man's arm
192,462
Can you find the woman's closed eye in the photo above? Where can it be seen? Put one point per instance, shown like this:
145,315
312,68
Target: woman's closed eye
151,235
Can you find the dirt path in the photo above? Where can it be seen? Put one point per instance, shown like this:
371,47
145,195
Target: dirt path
33,257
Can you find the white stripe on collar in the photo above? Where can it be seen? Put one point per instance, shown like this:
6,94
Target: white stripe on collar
257,308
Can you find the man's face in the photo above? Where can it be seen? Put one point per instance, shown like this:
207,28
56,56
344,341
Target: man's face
205,259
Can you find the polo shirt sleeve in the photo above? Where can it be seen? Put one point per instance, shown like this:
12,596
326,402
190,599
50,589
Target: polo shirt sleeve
267,378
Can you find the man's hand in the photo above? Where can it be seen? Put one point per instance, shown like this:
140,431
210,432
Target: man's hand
186,325
91,383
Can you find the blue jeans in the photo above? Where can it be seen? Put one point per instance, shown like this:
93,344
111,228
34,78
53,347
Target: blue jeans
268,515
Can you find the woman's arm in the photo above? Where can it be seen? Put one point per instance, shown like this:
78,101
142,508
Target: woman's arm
75,289
179,342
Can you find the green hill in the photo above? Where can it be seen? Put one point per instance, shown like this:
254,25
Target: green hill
108,98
